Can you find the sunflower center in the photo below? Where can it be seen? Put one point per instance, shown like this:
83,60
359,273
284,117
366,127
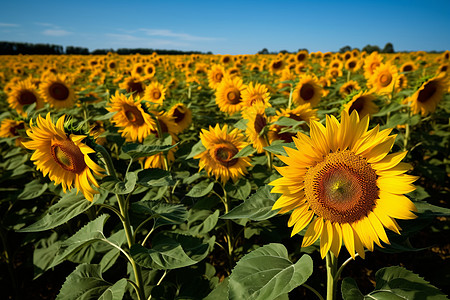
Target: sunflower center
260,123
301,57
357,105
234,96
223,154
156,94
178,114
307,92
133,115
134,86
428,91
407,68
59,91
26,97
277,65
342,188
14,130
68,156
349,89
218,77
385,79
352,65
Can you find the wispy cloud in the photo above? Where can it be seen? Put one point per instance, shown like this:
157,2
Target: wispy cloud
56,32
131,41
45,24
170,34
9,25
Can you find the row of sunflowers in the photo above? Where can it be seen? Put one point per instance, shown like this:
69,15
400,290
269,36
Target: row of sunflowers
202,160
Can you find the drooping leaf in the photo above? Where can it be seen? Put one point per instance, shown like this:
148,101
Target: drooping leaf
171,252
200,189
196,149
70,206
200,222
135,151
116,186
154,177
246,151
394,283
220,292
86,282
278,149
164,213
267,273
32,189
257,208
239,190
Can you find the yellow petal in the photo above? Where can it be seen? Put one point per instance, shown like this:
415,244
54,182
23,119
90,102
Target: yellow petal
326,238
349,241
313,232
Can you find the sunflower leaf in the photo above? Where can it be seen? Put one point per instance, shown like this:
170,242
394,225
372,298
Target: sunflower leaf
278,149
172,252
256,208
164,213
32,190
244,152
200,189
196,149
70,206
267,273
86,282
154,177
394,283
116,186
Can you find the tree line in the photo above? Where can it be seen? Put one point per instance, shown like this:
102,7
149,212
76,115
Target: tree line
14,48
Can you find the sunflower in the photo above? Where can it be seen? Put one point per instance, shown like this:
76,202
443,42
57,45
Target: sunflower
215,76
57,90
130,115
286,75
302,56
401,83
62,156
155,93
255,93
362,103
24,93
408,66
383,78
182,116
308,90
157,160
336,63
221,147
372,62
333,73
229,94
150,71
343,184
133,84
166,124
348,87
353,64
300,113
277,65
12,128
257,121
427,97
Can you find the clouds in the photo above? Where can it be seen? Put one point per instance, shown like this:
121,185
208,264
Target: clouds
9,25
56,32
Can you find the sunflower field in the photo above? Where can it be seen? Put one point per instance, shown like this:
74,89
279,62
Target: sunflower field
302,175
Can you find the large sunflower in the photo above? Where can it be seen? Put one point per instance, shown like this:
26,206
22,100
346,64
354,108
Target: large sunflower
62,156
57,90
257,121
155,93
221,147
255,93
133,84
215,76
229,94
135,123
372,62
308,90
182,116
362,103
24,93
342,182
427,97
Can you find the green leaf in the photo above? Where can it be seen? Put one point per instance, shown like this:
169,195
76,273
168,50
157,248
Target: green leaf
154,177
44,253
116,186
105,116
267,273
431,210
246,151
32,190
196,149
394,283
137,150
86,282
200,189
286,121
164,213
199,222
70,206
220,292
88,234
350,290
239,190
278,149
394,106
257,208
172,252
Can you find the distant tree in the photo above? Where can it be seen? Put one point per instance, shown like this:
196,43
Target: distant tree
263,51
77,50
370,48
284,51
388,48
345,49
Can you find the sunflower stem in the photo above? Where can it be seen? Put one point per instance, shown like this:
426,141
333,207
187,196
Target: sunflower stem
341,268
313,290
229,231
290,96
348,75
123,207
331,264
268,154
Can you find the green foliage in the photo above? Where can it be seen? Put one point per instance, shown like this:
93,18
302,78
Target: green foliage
393,283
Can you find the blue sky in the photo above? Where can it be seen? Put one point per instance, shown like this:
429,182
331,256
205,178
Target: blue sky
229,27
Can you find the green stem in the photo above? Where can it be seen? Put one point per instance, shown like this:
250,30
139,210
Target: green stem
229,231
268,154
339,271
331,264
348,75
313,290
123,207
290,97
